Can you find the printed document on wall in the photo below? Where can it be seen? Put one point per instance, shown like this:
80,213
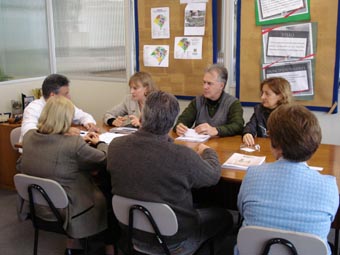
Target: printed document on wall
156,55
188,48
194,20
271,8
287,43
297,73
160,22
269,12
193,1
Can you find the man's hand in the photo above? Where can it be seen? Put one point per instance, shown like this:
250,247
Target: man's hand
201,148
206,129
91,127
181,129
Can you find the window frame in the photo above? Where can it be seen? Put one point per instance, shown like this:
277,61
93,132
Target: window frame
129,47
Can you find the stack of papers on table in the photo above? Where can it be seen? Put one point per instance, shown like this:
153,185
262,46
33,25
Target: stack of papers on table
192,136
242,161
123,130
108,137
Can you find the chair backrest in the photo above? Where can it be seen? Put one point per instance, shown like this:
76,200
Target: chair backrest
54,190
14,136
253,239
164,216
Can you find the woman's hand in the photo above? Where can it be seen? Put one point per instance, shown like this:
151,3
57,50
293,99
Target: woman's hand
248,139
92,138
119,121
134,120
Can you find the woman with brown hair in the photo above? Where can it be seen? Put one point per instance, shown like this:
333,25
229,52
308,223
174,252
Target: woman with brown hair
275,91
127,113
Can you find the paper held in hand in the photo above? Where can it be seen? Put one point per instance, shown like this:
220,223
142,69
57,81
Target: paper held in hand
242,161
192,136
123,130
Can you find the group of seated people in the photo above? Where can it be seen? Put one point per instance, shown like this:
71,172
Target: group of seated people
147,165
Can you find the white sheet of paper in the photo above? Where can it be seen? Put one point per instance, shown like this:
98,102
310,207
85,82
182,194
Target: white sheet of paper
281,45
287,43
193,1
194,20
188,48
299,75
160,22
270,8
192,136
156,55
108,137
248,149
316,168
242,161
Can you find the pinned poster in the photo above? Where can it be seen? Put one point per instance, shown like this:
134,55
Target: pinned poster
160,22
268,12
288,43
297,73
194,20
156,55
188,48
193,1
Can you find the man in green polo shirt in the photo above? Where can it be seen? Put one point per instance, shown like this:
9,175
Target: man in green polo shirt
215,113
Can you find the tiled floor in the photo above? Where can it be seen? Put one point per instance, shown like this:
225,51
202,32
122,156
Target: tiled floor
17,237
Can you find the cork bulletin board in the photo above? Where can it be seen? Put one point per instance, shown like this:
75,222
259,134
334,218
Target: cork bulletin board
326,67
183,77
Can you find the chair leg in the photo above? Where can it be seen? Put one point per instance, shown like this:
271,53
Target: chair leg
36,236
212,247
336,241
86,245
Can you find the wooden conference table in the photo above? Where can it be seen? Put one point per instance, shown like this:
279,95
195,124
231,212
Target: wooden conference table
225,192
327,156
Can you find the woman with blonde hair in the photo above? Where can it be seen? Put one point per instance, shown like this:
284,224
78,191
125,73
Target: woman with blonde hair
128,112
275,91
52,152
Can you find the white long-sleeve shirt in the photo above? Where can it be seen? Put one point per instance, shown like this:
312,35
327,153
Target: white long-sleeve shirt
33,110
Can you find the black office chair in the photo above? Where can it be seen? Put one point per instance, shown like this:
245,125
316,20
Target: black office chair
42,191
156,218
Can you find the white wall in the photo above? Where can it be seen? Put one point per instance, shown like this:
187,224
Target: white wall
96,97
